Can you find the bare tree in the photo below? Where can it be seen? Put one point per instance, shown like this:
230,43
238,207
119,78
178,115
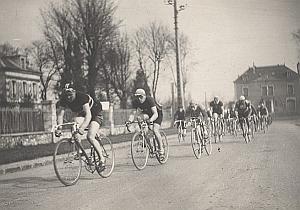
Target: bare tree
94,24
42,57
152,45
119,59
296,36
7,49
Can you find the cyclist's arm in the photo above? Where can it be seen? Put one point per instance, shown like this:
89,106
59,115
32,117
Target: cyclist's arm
87,118
155,114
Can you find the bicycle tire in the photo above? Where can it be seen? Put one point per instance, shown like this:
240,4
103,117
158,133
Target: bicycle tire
180,134
166,148
109,154
63,158
139,151
208,146
195,145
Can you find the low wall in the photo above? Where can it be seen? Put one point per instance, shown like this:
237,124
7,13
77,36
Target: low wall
10,141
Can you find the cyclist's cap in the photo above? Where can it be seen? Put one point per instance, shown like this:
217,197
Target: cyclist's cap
68,88
140,92
216,97
242,98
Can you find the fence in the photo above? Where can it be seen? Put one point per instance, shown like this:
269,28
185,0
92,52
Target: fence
20,120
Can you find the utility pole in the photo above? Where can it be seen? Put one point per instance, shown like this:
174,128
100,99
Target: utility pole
180,96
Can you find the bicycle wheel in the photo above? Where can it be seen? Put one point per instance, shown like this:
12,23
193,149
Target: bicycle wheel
207,145
109,155
195,141
180,134
67,162
245,132
165,146
139,151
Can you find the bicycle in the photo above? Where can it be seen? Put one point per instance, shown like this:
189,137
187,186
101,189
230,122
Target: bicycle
144,145
69,154
198,139
216,130
233,126
263,123
180,129
245,129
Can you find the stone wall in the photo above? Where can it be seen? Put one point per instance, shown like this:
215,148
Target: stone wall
9,141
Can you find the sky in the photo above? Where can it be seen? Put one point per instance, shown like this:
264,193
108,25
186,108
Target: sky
225,36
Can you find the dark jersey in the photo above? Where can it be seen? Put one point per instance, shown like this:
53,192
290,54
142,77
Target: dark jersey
179,115
197,112
253,110
232,113
242,107
216,107
77,104
146,106
262,110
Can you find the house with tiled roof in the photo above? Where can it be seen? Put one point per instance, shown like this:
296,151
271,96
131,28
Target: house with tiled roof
18,82
277,85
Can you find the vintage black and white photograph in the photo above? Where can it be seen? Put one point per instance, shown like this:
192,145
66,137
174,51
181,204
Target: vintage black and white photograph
149,104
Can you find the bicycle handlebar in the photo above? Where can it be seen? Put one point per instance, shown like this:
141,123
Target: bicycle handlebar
140,123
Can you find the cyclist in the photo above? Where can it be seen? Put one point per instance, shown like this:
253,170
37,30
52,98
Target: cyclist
146,109
217,110
88,113
263,112
232,118
243,109
180,115
198,111
254,116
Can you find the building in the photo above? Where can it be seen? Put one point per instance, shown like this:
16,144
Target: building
278,86
18,82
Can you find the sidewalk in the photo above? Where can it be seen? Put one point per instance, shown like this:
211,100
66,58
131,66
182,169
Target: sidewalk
44,156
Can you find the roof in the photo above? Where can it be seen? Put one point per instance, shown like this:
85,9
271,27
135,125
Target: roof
8,64
270,73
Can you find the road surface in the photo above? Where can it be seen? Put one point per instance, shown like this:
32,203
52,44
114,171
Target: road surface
264,174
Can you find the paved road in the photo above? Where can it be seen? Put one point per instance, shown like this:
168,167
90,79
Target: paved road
264,174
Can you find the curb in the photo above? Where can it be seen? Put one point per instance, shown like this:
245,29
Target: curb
30,164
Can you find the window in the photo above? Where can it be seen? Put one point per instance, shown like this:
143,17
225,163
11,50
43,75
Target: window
245,92
270,91
14,89
267,90
34,91
264,91
23,63
25,88
290,89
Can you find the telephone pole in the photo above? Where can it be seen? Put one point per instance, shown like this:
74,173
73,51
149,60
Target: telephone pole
180,95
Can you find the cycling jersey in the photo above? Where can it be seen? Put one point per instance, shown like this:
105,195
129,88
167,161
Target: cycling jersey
179,115
262,110
216,107
199,111
146,106
232,113
77,106
243,108
253,110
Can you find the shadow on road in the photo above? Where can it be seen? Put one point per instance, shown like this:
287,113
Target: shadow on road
32,182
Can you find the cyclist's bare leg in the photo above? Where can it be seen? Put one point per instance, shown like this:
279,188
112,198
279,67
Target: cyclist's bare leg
91,136
156,130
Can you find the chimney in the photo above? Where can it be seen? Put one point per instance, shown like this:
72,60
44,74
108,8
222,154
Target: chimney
298,68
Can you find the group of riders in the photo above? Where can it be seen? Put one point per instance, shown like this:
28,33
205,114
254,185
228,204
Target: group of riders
232,118
88,114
